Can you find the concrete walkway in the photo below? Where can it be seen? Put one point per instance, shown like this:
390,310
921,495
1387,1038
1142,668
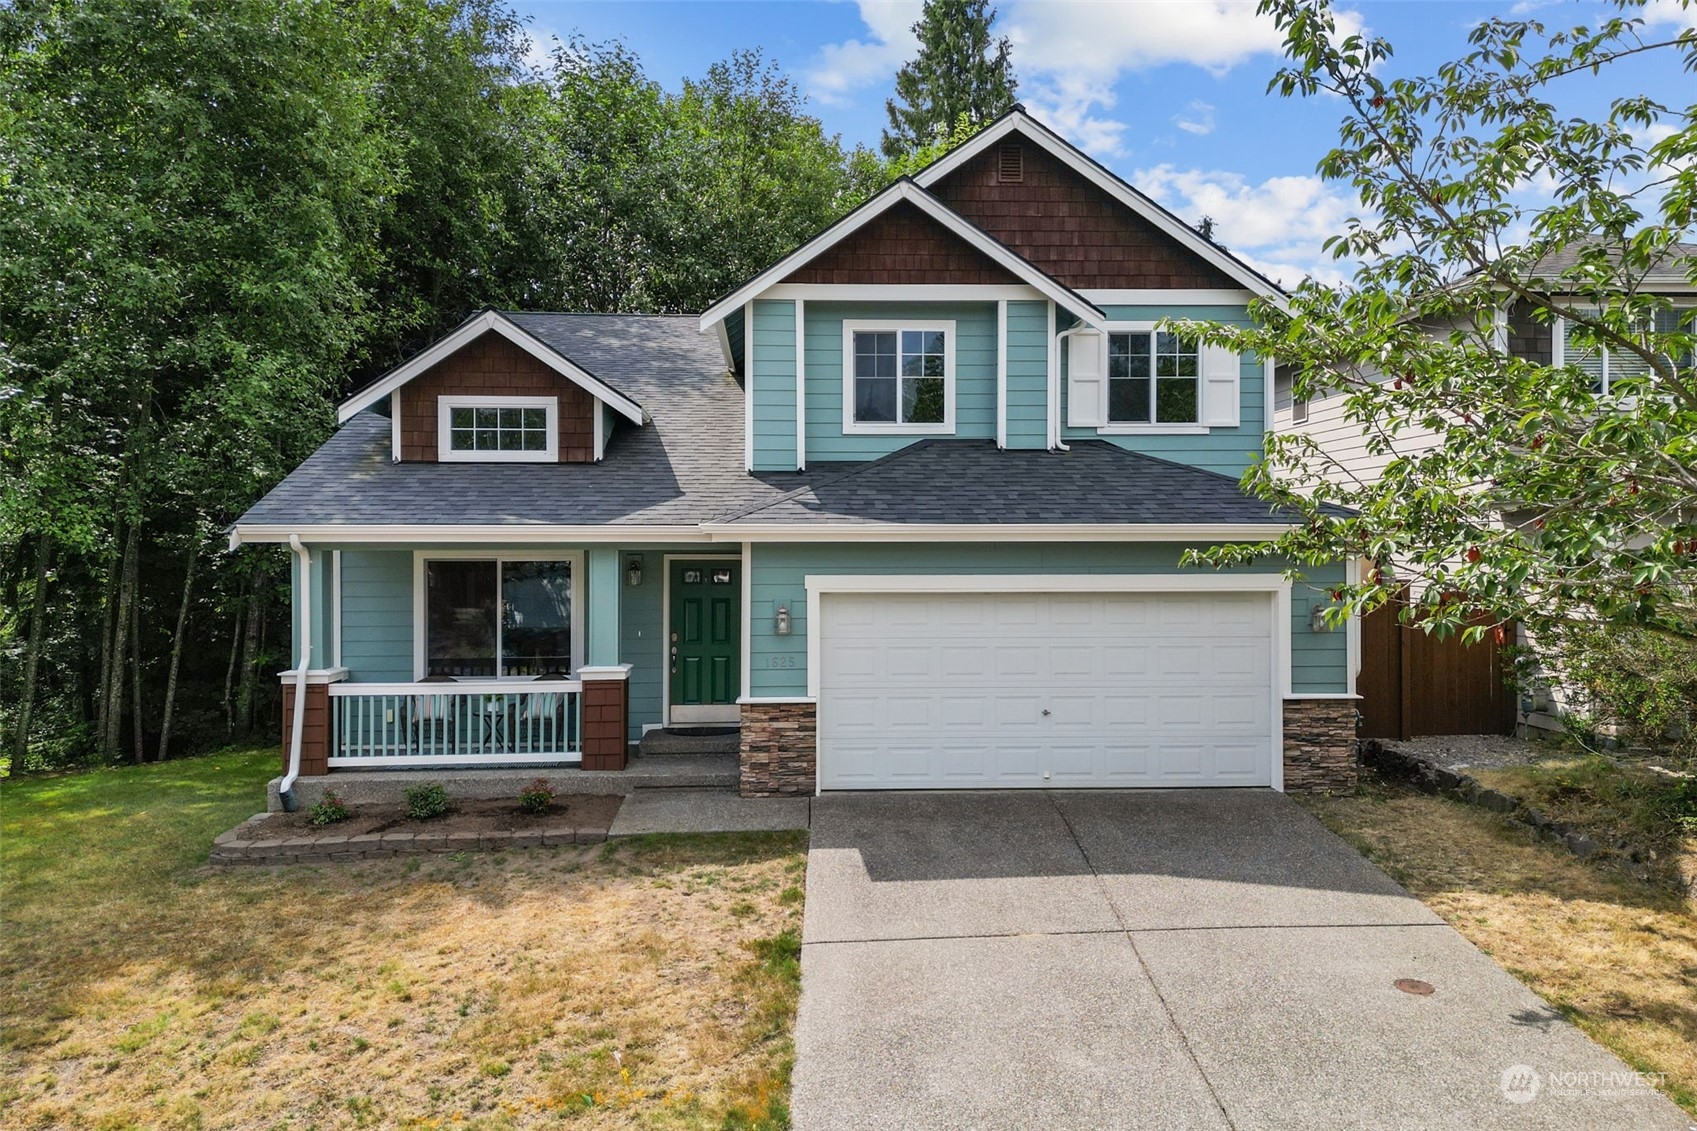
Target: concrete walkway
1163,959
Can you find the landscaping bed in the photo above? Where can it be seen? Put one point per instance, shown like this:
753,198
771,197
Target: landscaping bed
1616,955
646,982
373,832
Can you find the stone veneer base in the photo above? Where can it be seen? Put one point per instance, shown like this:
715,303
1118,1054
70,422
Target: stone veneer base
1320,746
779,748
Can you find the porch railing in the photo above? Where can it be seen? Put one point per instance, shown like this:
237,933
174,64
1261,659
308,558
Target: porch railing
486,723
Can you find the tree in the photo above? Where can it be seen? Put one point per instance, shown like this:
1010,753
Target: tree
959,73
1542,498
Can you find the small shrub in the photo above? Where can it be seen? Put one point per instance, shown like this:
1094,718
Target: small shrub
329,810
537,797
426,802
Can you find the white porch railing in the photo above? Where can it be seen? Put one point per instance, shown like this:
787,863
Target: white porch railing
484,723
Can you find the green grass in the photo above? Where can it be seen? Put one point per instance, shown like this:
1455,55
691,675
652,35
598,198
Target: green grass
649,983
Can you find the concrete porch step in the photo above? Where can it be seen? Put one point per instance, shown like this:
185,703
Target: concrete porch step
679,741
388,787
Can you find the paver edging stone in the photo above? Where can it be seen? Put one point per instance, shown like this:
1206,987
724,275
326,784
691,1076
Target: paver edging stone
337,849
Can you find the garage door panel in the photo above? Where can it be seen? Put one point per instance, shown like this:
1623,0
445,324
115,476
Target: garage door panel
950,690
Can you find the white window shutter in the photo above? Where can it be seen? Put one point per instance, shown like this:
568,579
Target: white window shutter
1087,385
1219,387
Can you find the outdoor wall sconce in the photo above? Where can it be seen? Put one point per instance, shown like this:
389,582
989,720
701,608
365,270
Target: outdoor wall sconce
781,623
1317,619
633,572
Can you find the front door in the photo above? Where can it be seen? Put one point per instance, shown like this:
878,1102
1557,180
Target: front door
703,638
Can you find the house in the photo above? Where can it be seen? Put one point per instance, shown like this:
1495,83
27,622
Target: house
907,509
1412,684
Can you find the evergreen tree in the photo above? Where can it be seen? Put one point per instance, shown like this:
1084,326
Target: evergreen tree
960,75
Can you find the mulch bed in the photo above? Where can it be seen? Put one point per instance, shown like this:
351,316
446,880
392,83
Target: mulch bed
378,831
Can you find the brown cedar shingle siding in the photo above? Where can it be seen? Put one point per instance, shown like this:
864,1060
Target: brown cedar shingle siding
904,245
495,366
1071,229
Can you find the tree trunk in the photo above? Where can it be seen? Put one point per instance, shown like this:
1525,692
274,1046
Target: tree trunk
177,652
236,623
137,715
32,652
121,628
250,653
108,607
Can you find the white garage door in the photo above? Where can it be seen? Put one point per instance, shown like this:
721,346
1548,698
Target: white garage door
1035,690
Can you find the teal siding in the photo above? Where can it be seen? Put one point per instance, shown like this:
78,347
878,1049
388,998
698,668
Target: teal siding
377,604
975,375
1028,375
778,664
1228,451
774,386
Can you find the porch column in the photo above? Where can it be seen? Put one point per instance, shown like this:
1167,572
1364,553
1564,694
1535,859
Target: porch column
602,645
311,602
606,713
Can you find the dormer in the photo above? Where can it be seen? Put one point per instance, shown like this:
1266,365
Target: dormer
493,392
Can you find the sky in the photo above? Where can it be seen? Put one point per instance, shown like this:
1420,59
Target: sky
1170,94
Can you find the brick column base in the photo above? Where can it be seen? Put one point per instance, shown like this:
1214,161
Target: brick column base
779,748
1320,746
315,729
605,719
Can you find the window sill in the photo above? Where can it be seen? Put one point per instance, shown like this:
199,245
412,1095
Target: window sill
898,429
1153,430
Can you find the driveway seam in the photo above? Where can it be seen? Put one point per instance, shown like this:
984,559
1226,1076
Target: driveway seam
1183,1038
1120,931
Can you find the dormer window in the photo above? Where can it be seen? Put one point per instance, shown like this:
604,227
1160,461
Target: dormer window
479,429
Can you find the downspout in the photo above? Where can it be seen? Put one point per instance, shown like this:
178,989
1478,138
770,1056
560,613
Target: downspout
285,788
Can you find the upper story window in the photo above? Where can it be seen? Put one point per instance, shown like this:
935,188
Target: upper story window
1605,366
900,377
1153,378
498,429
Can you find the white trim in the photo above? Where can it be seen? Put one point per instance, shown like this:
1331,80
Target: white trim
470,687
801,384
775,700
469,331
1274,585
1352,630
456,761
747,618
1019,121
748,386
604,672
904,292
456,534
1269,373
1149,427
579,607
1300,695
1002,374
395,426
853,326
666,561
445,406
911,192
600,432
1122,297
725,346
993,532
1052,391
1131,428
1558,342
335,608
321,675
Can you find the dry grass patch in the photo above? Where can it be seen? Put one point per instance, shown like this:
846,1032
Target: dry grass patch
645,983
1618,957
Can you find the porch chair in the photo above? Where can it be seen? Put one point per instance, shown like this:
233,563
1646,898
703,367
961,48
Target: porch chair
544,723
433,719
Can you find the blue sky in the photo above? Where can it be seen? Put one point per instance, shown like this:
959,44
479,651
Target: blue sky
1170,94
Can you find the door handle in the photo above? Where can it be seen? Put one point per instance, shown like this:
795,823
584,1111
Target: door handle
1045,710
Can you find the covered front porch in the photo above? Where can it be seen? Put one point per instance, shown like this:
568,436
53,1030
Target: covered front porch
449,657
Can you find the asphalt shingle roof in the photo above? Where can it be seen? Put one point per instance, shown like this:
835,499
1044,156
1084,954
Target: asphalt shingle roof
972,482
686,466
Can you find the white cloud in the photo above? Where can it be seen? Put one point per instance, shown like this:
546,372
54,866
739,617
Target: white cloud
539,52
1670,12
1197,118
1276,226
843,69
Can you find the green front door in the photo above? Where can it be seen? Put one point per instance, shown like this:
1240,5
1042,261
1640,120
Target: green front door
703,639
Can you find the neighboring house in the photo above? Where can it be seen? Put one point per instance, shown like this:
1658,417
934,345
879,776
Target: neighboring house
907,509
1413,685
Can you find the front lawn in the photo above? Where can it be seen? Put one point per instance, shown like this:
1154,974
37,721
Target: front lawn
645,983
1618,957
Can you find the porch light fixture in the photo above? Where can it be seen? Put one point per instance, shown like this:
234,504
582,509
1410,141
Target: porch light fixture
1317,618
633,572
781,623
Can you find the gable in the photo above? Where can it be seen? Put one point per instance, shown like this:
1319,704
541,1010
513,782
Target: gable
902,246
492,366
1069,227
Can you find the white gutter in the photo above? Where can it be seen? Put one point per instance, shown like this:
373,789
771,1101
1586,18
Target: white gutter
287,784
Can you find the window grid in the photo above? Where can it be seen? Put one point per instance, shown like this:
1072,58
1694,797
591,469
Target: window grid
492,429
1153,378
900,376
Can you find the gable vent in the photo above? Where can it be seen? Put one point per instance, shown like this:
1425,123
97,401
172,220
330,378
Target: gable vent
1010,164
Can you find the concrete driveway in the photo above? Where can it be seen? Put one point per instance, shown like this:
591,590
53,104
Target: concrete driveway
1160,959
